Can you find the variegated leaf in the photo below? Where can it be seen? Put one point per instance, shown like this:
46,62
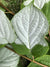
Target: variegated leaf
31,26
7,34
8,58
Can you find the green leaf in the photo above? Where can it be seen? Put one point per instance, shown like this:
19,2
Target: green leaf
20,49
44,60
31,26
46,11
7,34
8,58
33,65
39,50
2,45
29,55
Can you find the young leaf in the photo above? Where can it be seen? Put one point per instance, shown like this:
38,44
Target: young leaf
8,58
7,34
33,65
44,60
40,3
46,11
30,25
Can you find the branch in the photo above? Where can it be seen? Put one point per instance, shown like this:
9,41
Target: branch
6,8
49,33
47,39
26,57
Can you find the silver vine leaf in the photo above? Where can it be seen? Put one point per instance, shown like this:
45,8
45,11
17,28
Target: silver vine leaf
7,34
31,26
38,3
8,58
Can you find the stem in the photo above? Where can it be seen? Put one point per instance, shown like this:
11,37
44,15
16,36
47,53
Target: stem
49,33
47,39
40,64
7,12
6,8
26,57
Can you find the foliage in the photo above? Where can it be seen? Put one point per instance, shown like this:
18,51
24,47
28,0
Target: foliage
33,65
44,60
25,33
46,11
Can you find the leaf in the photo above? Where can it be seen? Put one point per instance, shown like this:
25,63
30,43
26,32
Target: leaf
47,1
33,65
20,49
40,3
36,51
44,60
7,34
27,2
46,11
8,58
31,26
39,50
30,56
